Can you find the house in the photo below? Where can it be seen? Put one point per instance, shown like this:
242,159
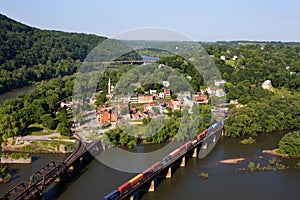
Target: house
199,97
219,82
222,57
220,93
234,57
107,115
211,91
161,95
167,93
267,85
174,104
153,92
134,98
145,98
138,115
166,83
68,104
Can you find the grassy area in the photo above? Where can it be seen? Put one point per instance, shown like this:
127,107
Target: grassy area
47,146
17,156
230,62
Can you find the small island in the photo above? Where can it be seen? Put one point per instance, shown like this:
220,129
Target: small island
20,158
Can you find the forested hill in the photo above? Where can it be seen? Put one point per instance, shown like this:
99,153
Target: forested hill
29,54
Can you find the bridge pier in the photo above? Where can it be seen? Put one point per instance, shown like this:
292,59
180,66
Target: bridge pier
195,154
169,174
135,196
204,146
71,168
58,179
153,185
182,164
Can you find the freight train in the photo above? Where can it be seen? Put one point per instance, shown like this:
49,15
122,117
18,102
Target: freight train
135,181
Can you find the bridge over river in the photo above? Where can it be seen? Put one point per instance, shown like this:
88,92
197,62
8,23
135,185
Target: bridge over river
56,170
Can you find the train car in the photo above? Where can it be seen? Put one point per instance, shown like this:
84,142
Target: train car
136,179
174,153
123,188
187,144
146,173
202,134
156,166
166,159
113,195
182,148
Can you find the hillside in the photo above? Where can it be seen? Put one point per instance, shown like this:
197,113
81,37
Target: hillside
29,54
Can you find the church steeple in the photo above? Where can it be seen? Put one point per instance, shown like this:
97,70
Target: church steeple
109,87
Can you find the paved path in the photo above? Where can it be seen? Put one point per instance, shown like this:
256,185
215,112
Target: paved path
38,137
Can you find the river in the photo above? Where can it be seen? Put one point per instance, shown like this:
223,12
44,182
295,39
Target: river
225,181
15,92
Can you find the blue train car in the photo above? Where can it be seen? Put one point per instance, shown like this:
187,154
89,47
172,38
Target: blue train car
113,195
166,159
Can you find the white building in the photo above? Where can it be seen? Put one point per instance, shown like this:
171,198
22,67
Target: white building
267,85
161,95
219,82
166,83
223,58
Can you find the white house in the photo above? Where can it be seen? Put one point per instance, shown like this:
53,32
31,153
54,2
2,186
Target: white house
219,82
220,93
223,58
234,57
267,85
161,95
166,83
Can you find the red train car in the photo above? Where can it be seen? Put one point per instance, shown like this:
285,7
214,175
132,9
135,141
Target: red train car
155,166
124,187
188,144
174,153
201,135
147,172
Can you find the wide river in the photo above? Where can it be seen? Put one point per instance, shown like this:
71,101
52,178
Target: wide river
225,180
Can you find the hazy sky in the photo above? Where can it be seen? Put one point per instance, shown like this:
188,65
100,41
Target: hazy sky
208,20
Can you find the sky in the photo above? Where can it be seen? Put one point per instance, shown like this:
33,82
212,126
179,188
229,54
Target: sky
209,20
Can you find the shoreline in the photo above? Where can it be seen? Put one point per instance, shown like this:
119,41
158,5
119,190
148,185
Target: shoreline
275,153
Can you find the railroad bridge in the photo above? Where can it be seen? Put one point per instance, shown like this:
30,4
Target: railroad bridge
53,171
83,153
148,180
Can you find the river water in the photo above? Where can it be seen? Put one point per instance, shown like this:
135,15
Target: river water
225,181
15,92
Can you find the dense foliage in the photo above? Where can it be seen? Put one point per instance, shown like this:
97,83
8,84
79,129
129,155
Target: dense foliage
29,54
290,144
37,106
266,115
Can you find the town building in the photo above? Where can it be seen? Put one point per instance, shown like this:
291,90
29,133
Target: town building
167,93
175,104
